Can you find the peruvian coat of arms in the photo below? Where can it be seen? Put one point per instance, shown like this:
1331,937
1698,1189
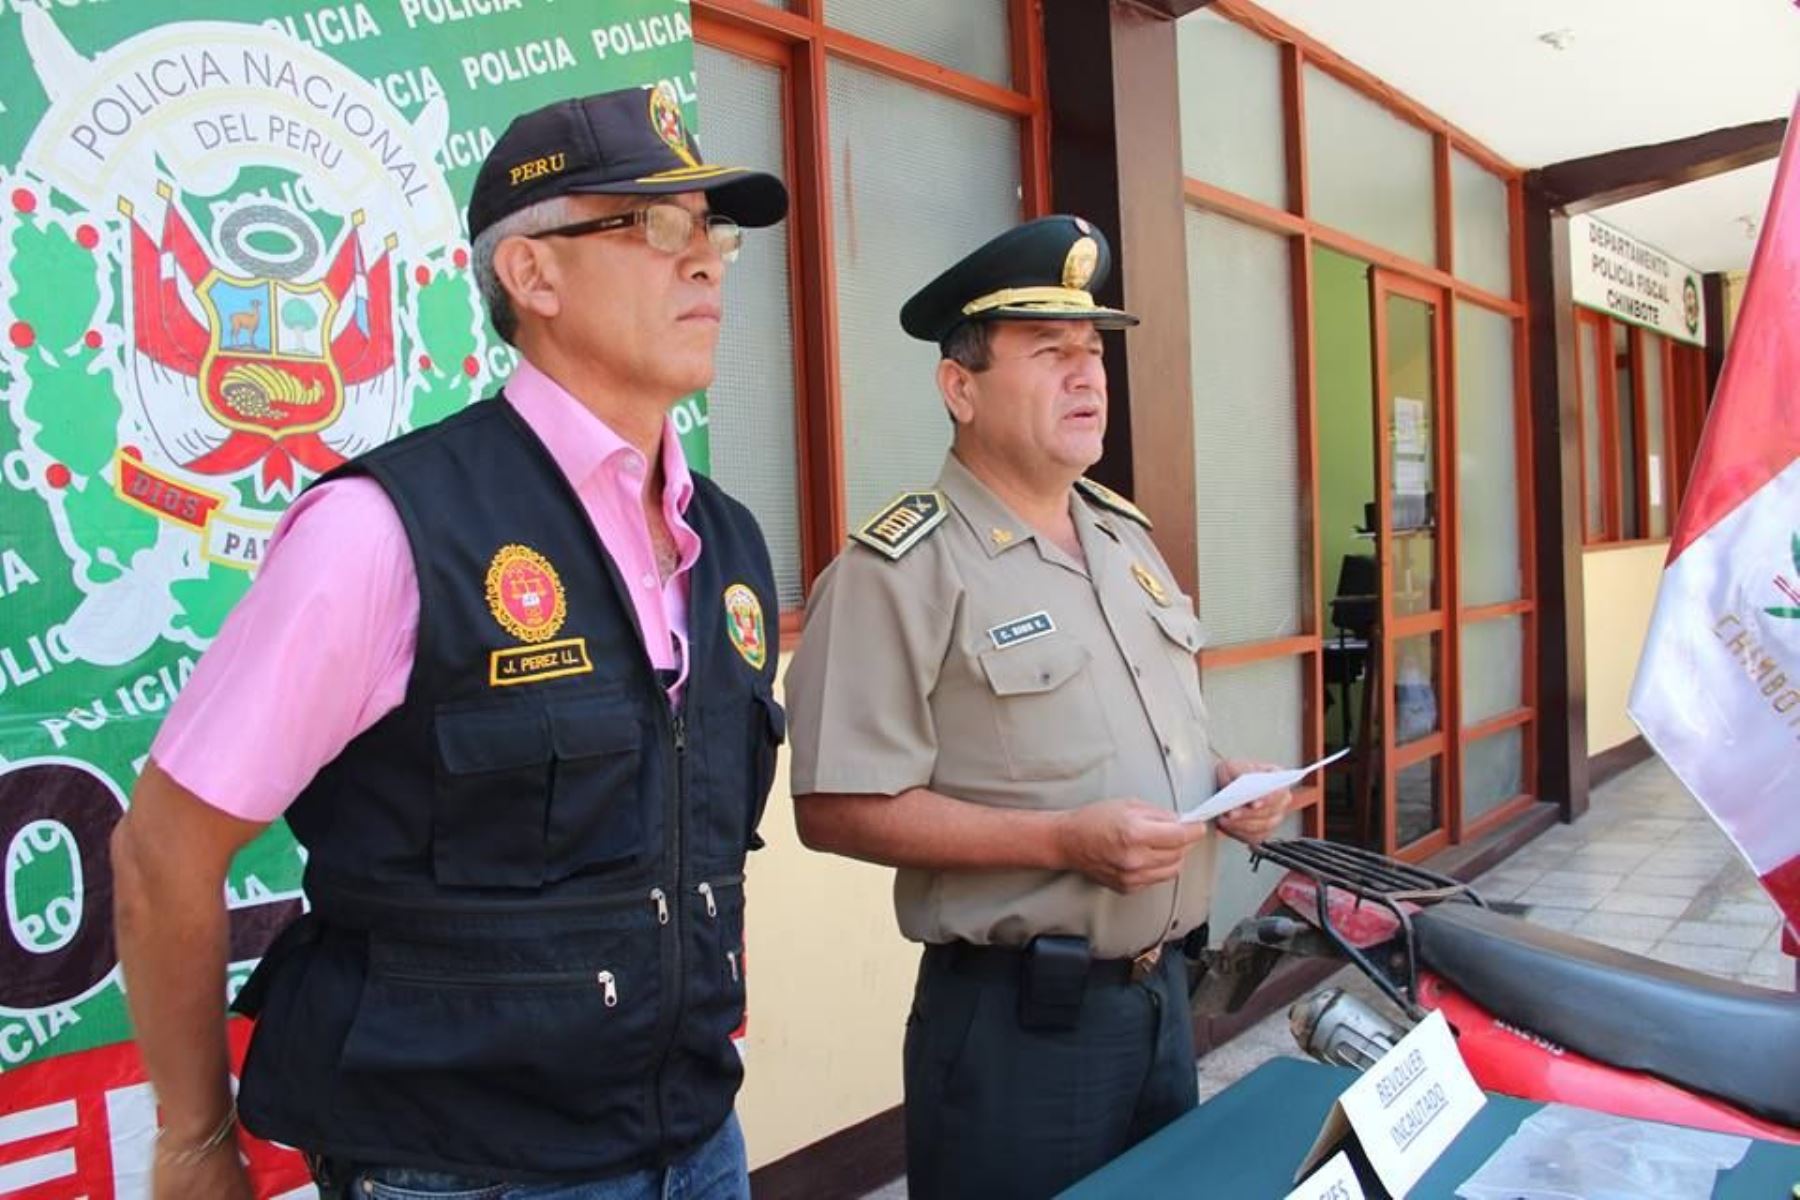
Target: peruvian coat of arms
227,265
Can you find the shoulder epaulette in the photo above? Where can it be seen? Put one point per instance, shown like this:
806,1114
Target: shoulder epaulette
1105,497
906,521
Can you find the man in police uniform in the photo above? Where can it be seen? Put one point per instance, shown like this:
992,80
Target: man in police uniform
509,680
997,694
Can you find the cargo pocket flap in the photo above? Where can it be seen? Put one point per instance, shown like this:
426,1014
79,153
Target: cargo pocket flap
1039,667
1181,627
588,728
479,740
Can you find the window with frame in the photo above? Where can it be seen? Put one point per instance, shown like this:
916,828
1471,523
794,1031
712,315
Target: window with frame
1640,398
1275,135
904,144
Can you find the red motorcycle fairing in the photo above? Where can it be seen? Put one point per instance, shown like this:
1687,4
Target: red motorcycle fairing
1514,1061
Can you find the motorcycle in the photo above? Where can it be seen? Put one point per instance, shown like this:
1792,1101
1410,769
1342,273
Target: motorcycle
1538,1014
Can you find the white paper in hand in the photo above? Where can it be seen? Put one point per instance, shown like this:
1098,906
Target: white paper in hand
1254,786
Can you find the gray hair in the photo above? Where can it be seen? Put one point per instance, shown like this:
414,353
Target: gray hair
970,344
533,218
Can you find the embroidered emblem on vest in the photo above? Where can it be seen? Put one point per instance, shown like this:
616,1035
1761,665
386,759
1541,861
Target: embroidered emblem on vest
744,625
903,524
524,594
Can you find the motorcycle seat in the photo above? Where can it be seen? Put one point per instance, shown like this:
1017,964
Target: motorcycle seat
1738,1043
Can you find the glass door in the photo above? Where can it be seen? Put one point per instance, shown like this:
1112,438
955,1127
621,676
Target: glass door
1412,556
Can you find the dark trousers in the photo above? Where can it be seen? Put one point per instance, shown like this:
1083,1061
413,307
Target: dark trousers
997,1111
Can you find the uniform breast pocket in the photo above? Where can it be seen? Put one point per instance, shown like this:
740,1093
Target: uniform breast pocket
491,797
1181,628
1047,710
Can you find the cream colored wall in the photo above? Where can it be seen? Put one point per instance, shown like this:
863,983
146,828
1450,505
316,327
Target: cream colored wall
830,981
1620,591
1734,298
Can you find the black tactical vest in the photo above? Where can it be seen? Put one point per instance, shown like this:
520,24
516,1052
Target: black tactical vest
523,955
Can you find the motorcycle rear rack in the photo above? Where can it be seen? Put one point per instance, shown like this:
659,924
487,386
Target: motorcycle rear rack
1400,888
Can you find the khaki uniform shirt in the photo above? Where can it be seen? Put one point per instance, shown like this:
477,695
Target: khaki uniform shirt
988,665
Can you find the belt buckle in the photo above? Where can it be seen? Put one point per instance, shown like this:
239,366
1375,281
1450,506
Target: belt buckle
1144,965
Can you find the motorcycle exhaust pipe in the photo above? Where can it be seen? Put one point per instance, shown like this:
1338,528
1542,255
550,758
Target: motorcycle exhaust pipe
1338,1028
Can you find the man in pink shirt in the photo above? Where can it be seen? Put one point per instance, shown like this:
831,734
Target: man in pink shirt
509,680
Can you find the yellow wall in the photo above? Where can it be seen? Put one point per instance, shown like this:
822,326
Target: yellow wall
1620,591
830,982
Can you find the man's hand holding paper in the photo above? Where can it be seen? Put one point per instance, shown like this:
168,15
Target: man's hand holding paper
1252,797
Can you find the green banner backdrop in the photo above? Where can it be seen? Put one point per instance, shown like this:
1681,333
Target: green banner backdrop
231,256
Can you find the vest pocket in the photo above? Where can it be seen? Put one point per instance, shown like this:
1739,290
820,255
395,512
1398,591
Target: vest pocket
768,730
716,980
742,737
552,1016
492,797
596,815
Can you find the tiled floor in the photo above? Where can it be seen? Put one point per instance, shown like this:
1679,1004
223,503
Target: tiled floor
1645,870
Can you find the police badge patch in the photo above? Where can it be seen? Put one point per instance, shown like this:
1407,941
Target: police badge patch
744,625
665,118
524,594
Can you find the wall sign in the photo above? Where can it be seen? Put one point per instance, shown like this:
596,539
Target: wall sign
1615,273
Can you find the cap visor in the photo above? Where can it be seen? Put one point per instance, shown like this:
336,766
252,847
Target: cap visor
1103,318
751,198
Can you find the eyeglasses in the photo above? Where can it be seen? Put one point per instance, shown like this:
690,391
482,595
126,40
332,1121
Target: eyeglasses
667,227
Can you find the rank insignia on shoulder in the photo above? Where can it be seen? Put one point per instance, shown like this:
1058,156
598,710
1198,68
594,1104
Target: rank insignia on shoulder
903,524
1105,497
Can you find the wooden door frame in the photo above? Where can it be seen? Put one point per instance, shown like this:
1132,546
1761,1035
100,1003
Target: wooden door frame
1438,621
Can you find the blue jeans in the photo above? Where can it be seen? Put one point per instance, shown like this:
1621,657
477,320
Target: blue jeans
715,1170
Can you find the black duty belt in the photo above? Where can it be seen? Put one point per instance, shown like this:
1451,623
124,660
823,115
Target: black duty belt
1005,964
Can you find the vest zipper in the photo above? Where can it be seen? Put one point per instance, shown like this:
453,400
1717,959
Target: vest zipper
674,978
661,899
706,894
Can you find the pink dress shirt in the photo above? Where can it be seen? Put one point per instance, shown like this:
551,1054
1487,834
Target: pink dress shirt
322,645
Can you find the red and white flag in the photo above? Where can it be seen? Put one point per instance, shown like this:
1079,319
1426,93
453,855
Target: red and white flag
1718,689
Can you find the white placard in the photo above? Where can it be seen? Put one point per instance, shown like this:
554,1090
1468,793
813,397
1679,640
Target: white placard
1412,477
1254,786
1336,1180
1613,272
1409,426
1407,1108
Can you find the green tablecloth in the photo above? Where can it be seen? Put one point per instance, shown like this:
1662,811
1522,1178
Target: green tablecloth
1244,1144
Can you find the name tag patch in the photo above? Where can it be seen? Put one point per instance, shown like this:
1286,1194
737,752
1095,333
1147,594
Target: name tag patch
1021,629
533,664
